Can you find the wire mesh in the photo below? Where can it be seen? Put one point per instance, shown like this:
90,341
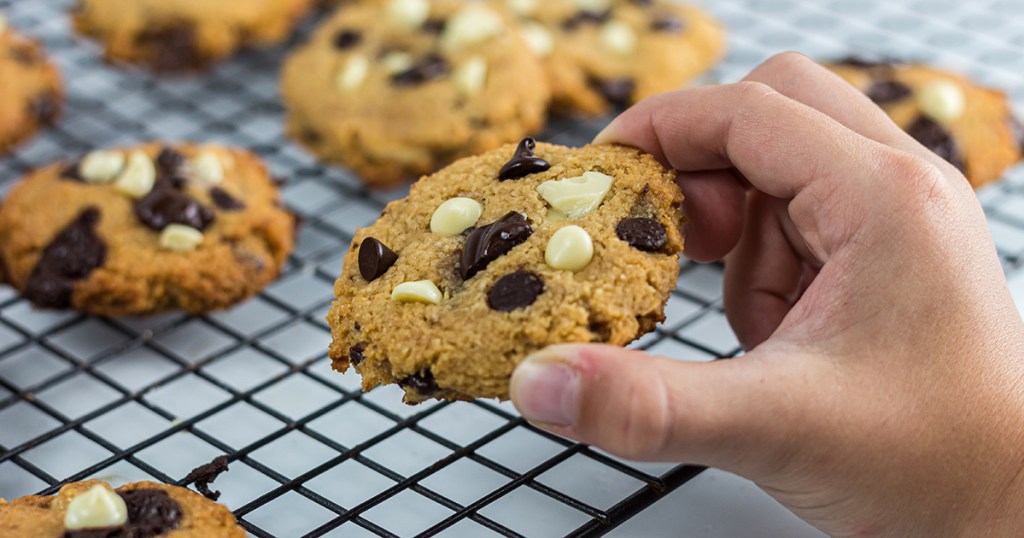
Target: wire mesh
151,398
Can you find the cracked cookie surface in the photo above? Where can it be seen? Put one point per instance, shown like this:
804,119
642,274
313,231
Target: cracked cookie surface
500,255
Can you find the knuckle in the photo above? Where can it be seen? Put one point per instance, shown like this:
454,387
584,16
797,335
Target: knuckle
644,428
917,182
788,61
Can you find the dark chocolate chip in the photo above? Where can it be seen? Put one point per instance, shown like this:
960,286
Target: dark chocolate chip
173,48
423,383
668,23
71,172
225,201
431,67
617,91
524,162
487,243
168,204
1017,131
355,354
642,233
346,39
46,108
586,17
204,475
151,512
889,91
375,259
935,137
434,26
867,61
169,160
71,256
515,290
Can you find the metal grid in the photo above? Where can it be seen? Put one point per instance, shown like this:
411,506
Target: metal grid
134,399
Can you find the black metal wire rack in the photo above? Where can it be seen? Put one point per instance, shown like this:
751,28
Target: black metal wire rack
133,399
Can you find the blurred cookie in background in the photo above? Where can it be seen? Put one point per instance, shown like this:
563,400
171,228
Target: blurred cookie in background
185,35
397,89
144,229
32,97
602,55
968,125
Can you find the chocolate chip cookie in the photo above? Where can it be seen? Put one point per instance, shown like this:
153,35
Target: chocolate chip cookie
185,35
970,126
145,229
397,88
602,55
33,95
500,255
93,509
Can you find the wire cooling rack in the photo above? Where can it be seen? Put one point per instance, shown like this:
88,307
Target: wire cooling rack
135,399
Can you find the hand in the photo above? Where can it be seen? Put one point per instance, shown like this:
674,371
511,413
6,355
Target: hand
883,390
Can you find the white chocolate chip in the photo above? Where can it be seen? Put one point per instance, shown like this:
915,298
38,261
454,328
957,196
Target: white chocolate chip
396,62
576,196
208,168
420,291
180,238
523,8
97,507
351,77
453,216
942,101
593,6
101,166
538,38
618,38
138,177
569,249
472,24
409,13
471,76
555,215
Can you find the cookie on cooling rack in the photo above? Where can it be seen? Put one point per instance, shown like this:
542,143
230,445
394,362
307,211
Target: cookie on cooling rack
185,35
32,95
500,255
144,229
92,509
970,126
398,88
606,54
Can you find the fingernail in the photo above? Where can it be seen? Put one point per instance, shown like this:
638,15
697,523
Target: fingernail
606,134
545,388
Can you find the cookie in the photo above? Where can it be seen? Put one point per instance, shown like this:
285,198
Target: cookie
145,229
602,55
970,126
93,509
500,255
33,95
185,35
396,89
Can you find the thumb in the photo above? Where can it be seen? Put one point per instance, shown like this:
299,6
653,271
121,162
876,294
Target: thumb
732,414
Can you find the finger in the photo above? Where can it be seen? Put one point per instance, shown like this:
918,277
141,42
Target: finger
767,273
713,202
654,409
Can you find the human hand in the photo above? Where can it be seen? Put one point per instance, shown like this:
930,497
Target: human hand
883,390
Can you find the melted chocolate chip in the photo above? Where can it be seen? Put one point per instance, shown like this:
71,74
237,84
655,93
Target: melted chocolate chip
434,26
668,23
487,243
524,162
71,256
867,61
225,201
935,137
173,48
423,383
346,39
375,259
431,67
355,354
71,172
515,290
617,91
151,512
889,91
585,17
205,474
642,233
169,160
46,108
167,204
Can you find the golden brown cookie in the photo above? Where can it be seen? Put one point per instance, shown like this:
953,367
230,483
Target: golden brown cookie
185,35
92,509
33,95
607,54
970,126
500,255
140,230
398,88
